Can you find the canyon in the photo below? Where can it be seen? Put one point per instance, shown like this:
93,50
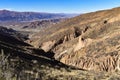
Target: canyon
84,47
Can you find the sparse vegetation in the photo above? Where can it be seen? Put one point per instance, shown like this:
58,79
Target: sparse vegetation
100,33
97,59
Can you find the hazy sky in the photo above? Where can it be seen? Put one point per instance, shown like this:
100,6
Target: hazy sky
58,6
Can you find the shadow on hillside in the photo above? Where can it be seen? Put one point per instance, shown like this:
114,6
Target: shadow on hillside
12,40
43,53
41,57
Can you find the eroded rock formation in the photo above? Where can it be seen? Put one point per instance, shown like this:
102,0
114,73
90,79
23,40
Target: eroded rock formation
90,41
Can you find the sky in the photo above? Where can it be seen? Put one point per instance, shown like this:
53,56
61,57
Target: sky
58,6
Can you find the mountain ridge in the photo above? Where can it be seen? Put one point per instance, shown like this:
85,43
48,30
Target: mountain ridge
6,16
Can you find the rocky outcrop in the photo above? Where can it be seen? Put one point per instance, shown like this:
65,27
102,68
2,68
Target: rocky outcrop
100,55
81,41
105,63
47,46
55,41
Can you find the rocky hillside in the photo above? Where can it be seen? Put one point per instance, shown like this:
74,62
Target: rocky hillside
21,61
42,23
10,16
90,41
86,45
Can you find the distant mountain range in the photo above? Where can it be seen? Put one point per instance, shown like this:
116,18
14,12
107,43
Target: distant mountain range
8,16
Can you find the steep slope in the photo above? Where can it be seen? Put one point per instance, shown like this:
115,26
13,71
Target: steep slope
21,61
90,41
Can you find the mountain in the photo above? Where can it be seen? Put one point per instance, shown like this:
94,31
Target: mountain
13,16
21,61
86,47
90,41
